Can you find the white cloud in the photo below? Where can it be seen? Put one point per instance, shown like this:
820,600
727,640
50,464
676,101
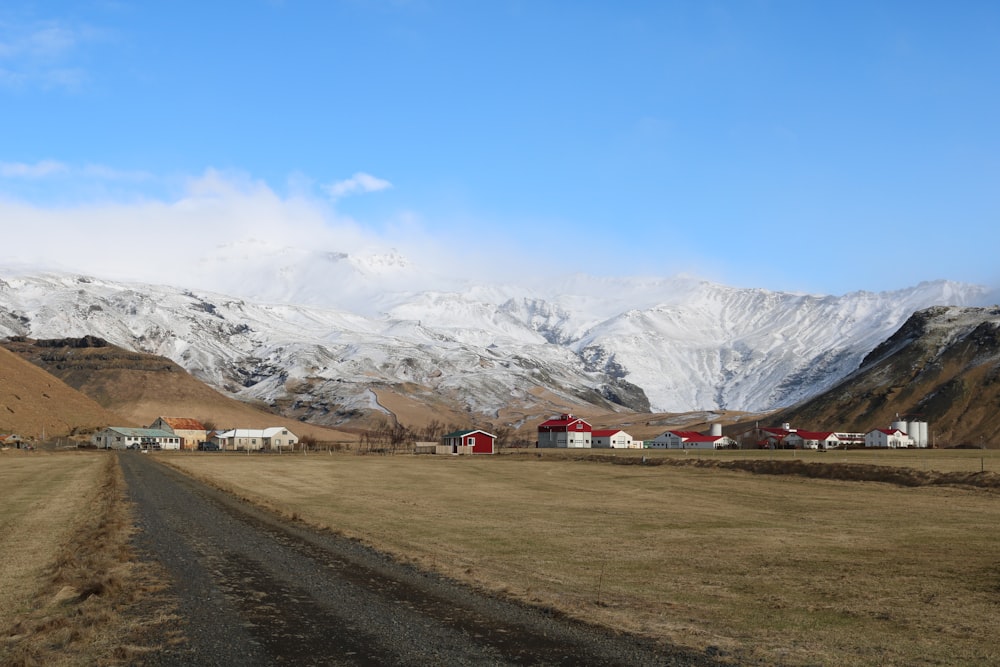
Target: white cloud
357,184
234,234
208,237
103,173
39,53
41,169
49,41
54,169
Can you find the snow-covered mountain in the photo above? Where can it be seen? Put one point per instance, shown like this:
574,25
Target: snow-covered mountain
670,345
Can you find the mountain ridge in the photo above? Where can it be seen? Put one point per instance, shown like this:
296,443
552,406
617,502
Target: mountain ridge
941,366
490,350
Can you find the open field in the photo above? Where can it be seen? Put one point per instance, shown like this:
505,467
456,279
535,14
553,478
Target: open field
782,569
940,460
68,580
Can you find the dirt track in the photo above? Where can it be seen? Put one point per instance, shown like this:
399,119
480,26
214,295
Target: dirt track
254,590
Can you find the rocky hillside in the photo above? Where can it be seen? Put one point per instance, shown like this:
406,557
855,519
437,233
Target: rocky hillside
942,366
36,405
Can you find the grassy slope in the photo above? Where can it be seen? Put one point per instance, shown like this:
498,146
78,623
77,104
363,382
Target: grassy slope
33,401
785,569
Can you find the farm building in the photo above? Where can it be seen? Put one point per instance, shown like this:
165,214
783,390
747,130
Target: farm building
848,439
765,437
689,440
469,442
801,439
564,431
123,437
10,440
191,431
892,438
275,437
609,438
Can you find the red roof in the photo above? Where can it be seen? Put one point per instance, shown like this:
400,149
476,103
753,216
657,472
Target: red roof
563,421
183,424
606,433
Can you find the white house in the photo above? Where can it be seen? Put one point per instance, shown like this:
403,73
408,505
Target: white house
610,438
279,437
123,437
892,438
275,437
801,439
688,440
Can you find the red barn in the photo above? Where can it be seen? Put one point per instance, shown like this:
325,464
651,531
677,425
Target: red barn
564,431
470,442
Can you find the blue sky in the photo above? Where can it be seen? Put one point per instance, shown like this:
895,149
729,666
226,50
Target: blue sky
793,145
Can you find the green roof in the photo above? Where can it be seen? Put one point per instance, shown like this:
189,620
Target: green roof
459,434
141,432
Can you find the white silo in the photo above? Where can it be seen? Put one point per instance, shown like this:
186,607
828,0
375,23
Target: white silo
924,439
913,430
716,431
902,426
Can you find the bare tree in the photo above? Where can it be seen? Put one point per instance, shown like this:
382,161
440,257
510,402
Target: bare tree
434,429
503,434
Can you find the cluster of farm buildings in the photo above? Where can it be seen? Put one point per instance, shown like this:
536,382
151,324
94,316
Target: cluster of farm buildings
563,432
569,432
185,433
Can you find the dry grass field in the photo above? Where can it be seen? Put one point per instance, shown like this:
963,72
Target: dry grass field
920,460
69,586
784,570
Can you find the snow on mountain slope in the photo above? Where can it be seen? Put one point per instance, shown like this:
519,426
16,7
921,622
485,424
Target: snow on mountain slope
315,356
753,349
686,344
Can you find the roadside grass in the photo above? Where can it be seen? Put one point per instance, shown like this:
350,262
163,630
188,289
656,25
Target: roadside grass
69,587
781,569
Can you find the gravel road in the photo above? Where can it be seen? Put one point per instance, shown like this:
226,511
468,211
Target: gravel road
252,589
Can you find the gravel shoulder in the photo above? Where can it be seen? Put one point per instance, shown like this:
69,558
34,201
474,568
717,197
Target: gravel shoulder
252,589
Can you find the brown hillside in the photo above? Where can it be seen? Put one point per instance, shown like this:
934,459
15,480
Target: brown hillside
942,367
141,387
33,403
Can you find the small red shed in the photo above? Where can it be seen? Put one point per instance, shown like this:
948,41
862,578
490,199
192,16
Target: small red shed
472,442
